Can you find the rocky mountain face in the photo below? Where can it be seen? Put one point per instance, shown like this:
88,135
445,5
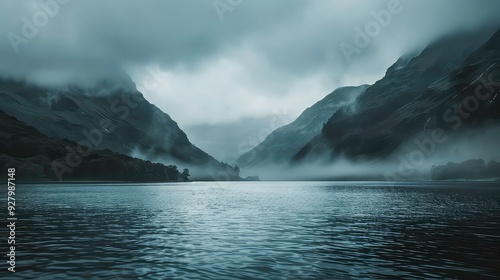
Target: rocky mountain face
450,86
109,115
280,145
37,157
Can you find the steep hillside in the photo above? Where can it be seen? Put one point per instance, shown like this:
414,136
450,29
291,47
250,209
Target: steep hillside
37,157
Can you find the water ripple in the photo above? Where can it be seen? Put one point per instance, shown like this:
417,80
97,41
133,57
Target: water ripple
258,231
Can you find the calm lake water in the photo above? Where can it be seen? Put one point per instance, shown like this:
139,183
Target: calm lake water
257,230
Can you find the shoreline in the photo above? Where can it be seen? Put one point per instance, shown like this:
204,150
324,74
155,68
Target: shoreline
490,180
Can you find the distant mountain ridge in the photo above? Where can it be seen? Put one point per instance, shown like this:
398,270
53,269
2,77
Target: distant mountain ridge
280,145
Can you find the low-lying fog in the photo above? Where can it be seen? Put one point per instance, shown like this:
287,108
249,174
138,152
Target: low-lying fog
410,161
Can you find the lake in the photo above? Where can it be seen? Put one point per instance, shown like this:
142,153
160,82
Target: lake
257,230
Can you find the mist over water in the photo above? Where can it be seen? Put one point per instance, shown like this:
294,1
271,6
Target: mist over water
410,157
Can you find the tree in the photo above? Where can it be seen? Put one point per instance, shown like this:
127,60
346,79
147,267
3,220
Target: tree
185,174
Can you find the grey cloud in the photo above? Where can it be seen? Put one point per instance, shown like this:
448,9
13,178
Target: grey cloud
168,32
276,45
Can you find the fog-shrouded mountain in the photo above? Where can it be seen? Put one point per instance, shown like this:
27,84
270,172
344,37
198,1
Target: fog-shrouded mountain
281,144
109,115
449,86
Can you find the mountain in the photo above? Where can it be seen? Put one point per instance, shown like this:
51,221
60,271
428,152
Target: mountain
108,115
431,91
225,141
282,143
37,157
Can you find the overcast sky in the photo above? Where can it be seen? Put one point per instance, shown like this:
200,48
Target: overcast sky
225,60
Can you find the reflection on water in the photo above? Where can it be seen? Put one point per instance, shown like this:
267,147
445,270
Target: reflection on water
258,230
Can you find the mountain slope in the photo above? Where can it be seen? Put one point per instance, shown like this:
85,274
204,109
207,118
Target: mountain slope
37,157
282,143
109,115
419,96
